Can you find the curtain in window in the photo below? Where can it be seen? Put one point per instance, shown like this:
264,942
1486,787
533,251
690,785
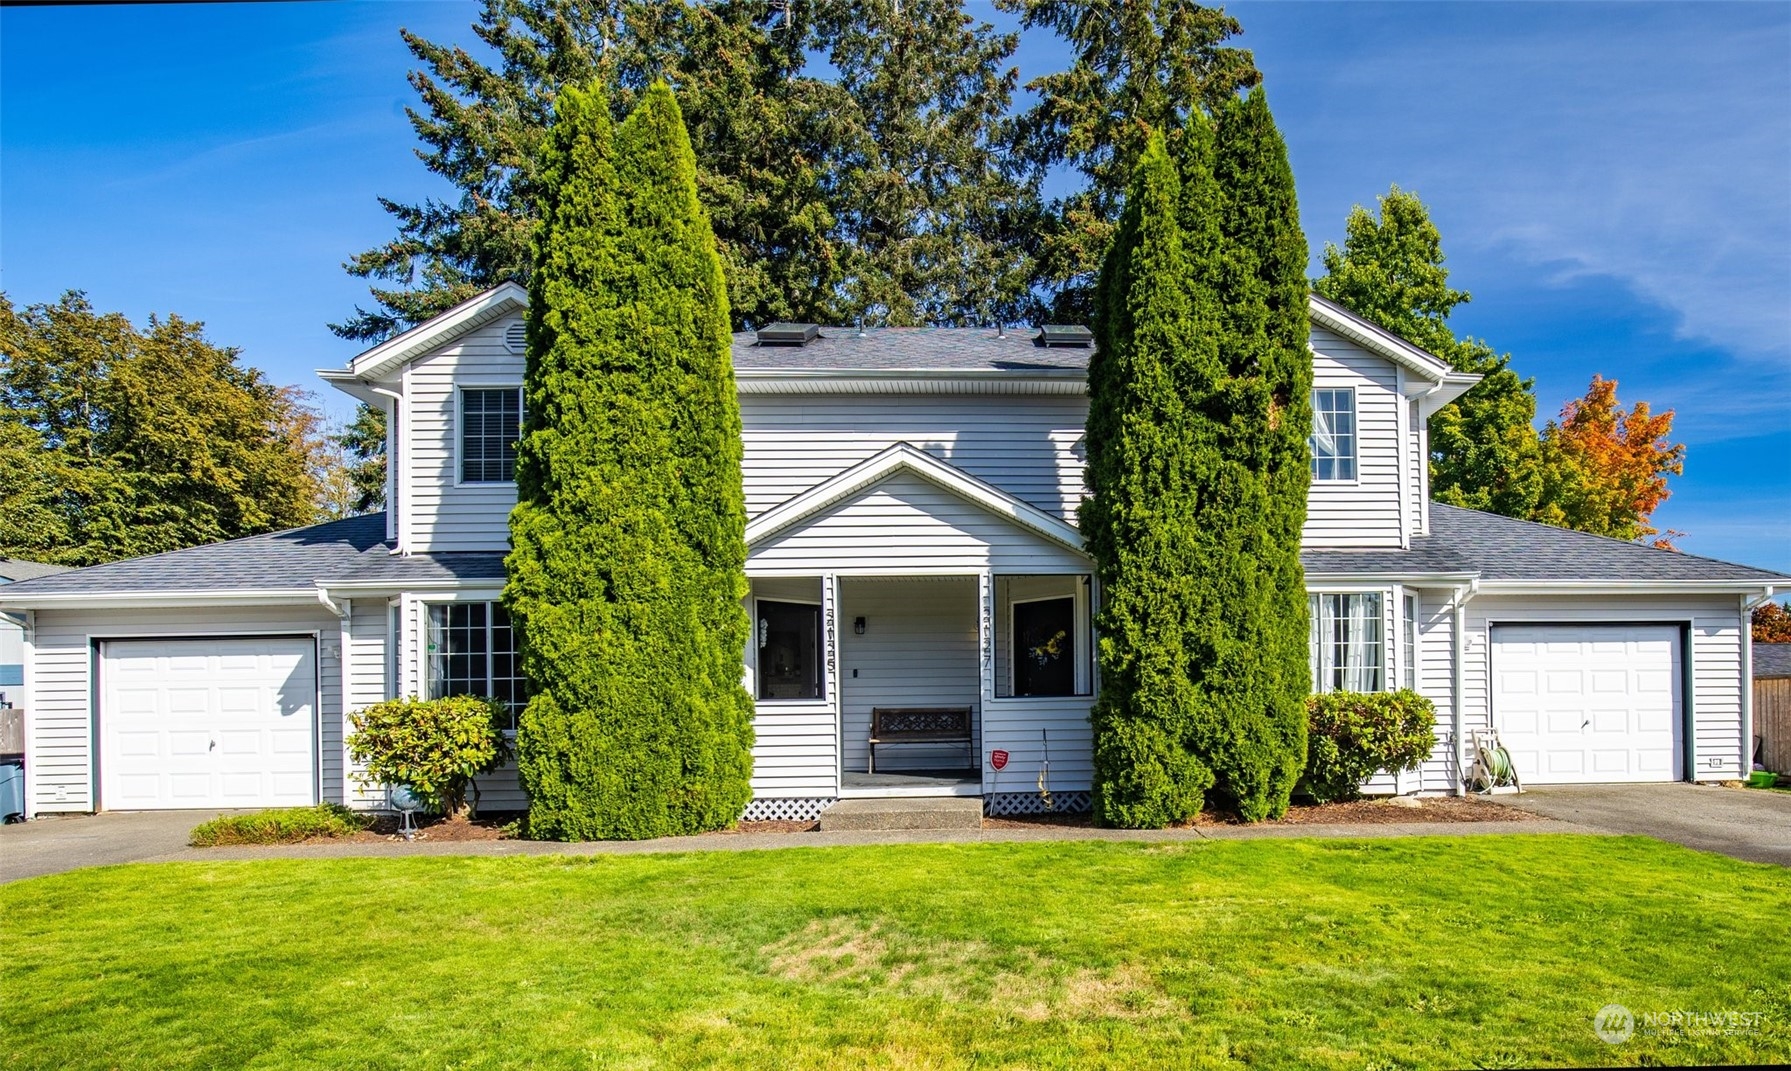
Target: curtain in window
1347,647
1324,433
1361,644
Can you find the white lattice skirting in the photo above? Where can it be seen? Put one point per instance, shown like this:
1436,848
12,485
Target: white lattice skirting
800,810
1003,804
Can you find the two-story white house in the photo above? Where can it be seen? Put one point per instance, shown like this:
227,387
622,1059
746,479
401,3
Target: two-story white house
911,498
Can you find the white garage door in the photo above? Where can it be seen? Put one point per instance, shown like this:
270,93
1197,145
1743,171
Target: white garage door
208,723
1588,704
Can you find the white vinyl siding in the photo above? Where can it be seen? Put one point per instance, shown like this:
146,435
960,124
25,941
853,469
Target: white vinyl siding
447,513
369,681
795,747
61,754
1027,445
907,525
919,649
1365,512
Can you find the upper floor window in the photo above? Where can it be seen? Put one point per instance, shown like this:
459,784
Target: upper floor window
1348,650
490,424
1334,434
472,651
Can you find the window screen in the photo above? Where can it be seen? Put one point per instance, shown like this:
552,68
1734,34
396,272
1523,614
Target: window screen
1333,435
490,424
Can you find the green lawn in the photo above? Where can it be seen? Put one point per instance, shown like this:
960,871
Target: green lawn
1442,952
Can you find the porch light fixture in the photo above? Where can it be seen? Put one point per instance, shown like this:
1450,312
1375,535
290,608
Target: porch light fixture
858,626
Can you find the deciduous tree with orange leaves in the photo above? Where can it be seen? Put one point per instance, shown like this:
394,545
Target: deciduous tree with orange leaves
1772,623
1606,467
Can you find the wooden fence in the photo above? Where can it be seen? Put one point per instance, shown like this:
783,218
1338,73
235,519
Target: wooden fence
1772,722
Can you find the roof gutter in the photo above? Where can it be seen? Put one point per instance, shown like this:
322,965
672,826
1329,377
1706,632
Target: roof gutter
1627,587
106,600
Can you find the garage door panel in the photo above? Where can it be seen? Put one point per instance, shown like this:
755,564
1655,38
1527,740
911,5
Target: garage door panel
208,723
1609,709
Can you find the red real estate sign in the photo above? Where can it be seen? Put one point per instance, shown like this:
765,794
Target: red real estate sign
998,759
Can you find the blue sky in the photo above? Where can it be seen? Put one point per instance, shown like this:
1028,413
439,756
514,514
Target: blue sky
1613,184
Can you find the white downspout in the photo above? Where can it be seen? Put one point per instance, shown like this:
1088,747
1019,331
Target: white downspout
1458,684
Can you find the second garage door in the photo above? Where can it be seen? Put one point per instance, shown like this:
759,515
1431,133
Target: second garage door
1585,704
208,723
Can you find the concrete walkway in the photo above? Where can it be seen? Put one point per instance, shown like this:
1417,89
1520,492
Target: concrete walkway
1750,824
53,845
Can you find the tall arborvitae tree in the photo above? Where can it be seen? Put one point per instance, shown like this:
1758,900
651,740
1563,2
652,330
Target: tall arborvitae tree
1140,67
933,220
627,576
1151,452
1484,450
1258,677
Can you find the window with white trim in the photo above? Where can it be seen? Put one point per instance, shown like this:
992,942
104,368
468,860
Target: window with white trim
1041,635
1334,435
490,424
789,662
1348,650
472,651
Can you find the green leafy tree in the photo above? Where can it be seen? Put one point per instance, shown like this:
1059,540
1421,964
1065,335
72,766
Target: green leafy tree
627,574
149,440
1255,672
1140,67
1484,449
1149,452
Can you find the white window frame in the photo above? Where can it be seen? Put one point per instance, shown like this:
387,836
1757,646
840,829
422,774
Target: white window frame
1080,636
1410,607
460,390
425,681
1318,643
1355,437
821,673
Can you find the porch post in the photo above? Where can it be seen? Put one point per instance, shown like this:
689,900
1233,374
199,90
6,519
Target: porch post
985,631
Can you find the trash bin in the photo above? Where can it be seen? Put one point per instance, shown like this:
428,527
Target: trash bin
12,791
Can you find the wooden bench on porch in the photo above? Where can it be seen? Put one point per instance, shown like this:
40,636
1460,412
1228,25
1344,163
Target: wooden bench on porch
921,725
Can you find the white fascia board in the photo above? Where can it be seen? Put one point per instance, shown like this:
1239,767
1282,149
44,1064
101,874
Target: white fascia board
106,600
909,381
906,457
477,311
353,386
1626,587
1377,339
1453,386
362,587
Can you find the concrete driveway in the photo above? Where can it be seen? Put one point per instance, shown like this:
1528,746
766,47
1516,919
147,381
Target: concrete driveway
1749,824
54,843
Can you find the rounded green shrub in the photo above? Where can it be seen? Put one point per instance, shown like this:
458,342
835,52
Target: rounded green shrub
1351,736
435,747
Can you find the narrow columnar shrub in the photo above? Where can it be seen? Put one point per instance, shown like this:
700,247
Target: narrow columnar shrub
1351,736
434,747
627,570
1150,447
1254,673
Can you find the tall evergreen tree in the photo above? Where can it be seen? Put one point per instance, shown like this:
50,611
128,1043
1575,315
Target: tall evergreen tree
933,218
1257,675
1484,450
1150,454
764,130
627,573
1141,67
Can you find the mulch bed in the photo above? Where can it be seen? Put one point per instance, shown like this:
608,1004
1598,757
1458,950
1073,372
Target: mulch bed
490,825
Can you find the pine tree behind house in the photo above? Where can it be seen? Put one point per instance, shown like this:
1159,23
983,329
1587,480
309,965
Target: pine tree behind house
627,574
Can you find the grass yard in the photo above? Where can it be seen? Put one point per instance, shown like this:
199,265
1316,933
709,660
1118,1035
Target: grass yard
1489,951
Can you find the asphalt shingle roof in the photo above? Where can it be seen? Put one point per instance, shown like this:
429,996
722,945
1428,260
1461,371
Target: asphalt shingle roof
13,569
1772,660
906,349
1501,548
